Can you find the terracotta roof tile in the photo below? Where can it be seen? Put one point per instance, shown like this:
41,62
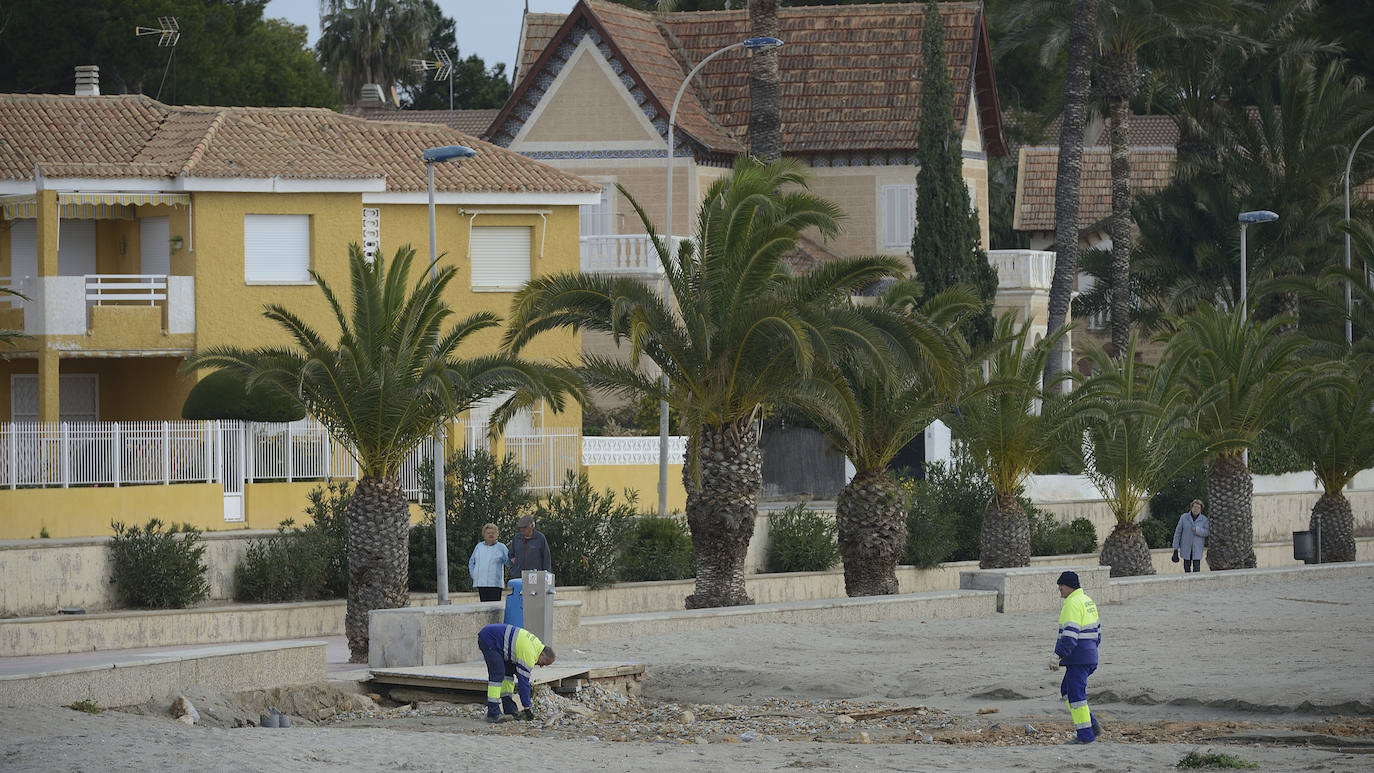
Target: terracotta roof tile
134,136
850,75
474,121
1151,170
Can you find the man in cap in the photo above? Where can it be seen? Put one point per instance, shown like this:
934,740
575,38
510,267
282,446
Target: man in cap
529,549
1076,651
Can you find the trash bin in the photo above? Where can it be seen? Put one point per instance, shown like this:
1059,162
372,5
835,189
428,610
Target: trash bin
515,605
1304,547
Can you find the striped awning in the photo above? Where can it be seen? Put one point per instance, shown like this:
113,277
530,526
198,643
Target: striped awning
91,206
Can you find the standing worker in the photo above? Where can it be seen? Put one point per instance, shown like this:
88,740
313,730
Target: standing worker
511,654
529,549
1190,537
1076,650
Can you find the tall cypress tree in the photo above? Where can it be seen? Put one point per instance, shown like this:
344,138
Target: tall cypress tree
945,249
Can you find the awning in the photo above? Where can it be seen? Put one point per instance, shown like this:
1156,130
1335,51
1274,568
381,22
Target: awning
91,206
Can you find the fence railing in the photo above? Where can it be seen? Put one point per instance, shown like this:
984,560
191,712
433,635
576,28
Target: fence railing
102,289
598,450
18,284
623,253
66,454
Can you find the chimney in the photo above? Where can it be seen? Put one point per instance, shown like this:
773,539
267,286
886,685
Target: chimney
88,80
372,96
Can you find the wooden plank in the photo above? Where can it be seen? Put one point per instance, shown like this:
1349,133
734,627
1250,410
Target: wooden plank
473,675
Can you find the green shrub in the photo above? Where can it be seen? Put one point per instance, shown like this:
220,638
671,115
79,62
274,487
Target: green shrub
158,569
328,530
291,565
657,549
945,512
1211,759
1273,456
1050,538
1159,532
587,531
801,540
478,489
221,395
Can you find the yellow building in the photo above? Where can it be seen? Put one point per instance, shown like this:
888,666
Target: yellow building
142,232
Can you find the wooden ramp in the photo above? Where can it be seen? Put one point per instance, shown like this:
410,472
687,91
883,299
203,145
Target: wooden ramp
472,676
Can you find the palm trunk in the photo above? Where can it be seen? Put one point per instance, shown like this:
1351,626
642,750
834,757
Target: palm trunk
721,511
378,519
1121,225
1068,174
1005,538
765,122
1126,551
1229,494
1337,527
872,532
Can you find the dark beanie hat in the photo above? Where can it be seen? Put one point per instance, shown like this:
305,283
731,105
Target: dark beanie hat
1070,579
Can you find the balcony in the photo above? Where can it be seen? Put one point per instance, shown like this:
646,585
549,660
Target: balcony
624,254
113,312
1023,269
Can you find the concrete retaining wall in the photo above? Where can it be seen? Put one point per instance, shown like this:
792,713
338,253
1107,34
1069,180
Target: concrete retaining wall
134,679
428,636
1029,589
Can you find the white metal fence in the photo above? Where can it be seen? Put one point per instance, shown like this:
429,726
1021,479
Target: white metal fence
65,454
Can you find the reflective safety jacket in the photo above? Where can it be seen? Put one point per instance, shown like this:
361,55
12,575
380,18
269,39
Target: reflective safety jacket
1079,630
517,646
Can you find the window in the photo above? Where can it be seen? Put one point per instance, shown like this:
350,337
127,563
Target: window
78,397
500,257
598,219
372,232
276,249
154,245
75,248
899,216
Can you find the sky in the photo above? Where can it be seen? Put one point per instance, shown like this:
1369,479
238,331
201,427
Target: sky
488,28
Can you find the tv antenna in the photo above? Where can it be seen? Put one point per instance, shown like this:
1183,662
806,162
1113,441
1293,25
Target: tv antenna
442,66
169,33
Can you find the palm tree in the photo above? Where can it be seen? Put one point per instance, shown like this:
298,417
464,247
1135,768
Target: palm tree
1011,425
1245,374
765,120
1077,39
1140,417
392,376
743,332
372,41
871,410
1333,429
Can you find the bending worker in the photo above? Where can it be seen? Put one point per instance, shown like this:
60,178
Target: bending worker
511,654
1076,650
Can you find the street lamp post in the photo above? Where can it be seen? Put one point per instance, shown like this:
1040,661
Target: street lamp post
750,44
1249,219
434,156
1349,309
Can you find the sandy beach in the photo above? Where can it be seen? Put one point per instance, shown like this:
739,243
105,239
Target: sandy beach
1279,674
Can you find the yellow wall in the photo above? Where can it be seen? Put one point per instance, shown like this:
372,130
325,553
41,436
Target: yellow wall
643,478
87,512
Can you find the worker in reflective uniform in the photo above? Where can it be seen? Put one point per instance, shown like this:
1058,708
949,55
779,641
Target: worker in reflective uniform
511,654
1076,651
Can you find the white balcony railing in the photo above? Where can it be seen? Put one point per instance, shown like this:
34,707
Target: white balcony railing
107,289
18,284
623,254
1023,269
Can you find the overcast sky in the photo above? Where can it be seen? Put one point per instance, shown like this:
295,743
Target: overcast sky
488,28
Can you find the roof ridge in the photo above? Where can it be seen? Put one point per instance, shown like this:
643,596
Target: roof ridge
203,144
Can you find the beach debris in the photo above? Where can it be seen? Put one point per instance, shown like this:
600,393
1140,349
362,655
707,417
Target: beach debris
184,711
989,710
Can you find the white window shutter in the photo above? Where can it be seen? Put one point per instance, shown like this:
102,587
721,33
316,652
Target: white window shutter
23,248
899,215
500,256
154,245
276,248
76,248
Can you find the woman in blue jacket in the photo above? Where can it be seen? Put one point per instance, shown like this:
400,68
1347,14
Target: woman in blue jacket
487,565
1190,537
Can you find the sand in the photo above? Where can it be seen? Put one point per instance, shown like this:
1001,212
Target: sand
1261,672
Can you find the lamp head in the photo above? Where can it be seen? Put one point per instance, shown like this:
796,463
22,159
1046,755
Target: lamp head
762,44
1257,216
447,153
